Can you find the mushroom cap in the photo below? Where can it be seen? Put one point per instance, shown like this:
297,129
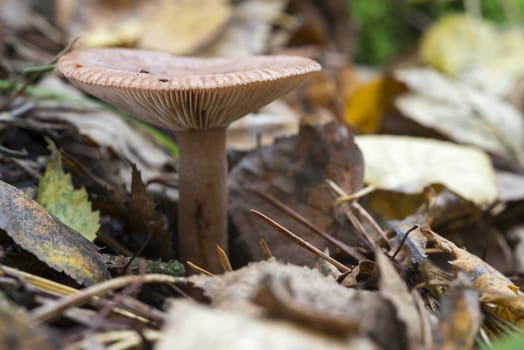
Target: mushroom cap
184,93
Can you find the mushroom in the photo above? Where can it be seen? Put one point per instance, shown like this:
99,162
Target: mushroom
197,98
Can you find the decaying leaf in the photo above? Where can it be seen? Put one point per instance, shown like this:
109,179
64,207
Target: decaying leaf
71,206
311,299
394,289
462,113
497,293
38,232
408,164
459,317
143,217
235,331
470,48
293,171
16,332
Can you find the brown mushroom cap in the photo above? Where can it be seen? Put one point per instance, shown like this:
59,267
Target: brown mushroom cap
182,93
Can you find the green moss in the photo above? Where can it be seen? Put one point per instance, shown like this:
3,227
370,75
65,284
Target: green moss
386,27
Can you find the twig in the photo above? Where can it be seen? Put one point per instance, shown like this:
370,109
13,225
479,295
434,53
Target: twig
300,241
403,241
352,252
364,237
48,312
352,199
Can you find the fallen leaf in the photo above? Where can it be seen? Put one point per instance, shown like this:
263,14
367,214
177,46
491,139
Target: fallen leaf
369,102
110,132
144,218
294,171
183,26
510,186
317,301
459,317
52,242
394,289
188,321
409,164
71,206
497,293
263,128
462,113
470,48
17,333
248,31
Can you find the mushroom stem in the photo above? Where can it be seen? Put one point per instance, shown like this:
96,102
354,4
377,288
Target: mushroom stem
202,207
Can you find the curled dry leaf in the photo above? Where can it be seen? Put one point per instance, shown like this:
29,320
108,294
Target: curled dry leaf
38,232
229,330
497,293
294,171
408,164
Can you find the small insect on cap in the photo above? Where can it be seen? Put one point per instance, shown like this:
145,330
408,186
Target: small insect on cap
183,93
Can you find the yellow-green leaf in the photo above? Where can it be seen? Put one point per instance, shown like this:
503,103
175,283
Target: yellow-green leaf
71,206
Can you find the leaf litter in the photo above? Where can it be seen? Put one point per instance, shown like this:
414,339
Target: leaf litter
385,246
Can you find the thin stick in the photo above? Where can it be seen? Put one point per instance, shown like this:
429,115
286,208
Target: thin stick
403,241
352,252
50,311
355,205
365,238
357,195
300,241
366,216
265,248
224,259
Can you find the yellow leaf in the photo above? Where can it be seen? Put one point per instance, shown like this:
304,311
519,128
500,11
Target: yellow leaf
366,106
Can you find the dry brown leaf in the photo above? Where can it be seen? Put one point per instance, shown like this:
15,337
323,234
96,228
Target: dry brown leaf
394,289
17,333
459,317
38,232
293,171
498,293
